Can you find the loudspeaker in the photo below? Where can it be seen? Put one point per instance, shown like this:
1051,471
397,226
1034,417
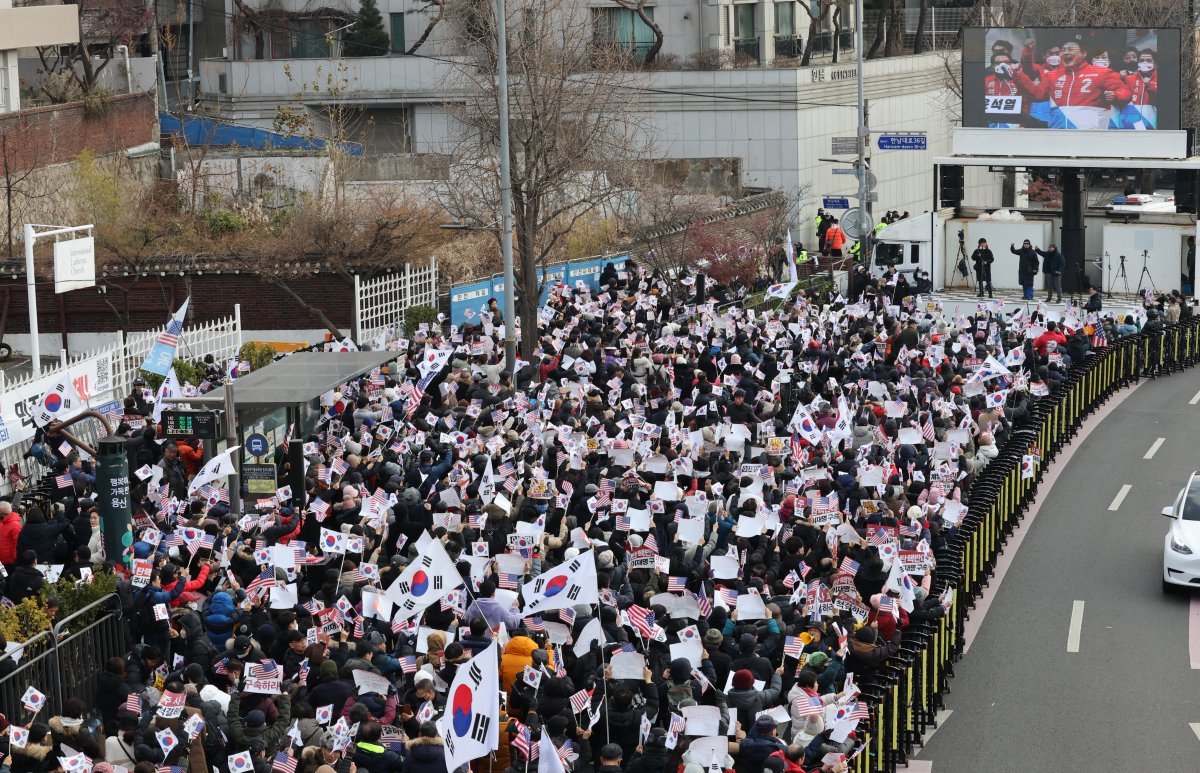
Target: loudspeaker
1186,195
950,185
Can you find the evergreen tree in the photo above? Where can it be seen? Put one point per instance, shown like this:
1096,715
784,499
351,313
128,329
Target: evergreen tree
367,37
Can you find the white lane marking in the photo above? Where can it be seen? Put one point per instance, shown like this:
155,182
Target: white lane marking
1120,497
1053,472
1154,448
1195,728
1195,399
1076,626
1194,632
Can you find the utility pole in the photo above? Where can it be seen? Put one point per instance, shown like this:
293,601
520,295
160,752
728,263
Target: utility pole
864,138
506,224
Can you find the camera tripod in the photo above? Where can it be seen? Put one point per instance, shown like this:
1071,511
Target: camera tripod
1120,275
1144,276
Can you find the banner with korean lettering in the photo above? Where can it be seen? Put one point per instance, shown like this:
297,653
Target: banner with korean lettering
93,382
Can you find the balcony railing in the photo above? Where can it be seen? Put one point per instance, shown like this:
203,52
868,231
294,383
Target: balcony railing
787,46
747,47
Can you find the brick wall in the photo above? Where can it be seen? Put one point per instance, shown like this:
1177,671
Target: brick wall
54,134
151,300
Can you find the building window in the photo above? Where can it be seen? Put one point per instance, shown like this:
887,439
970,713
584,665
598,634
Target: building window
398,33
623,28
785,18
743,21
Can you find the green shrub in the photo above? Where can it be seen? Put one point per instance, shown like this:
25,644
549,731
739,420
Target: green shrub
415,316
259,354
186,371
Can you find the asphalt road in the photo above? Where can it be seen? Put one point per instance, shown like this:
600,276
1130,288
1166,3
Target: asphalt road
1125,700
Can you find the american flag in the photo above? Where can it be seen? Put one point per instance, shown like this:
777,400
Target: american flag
677,724
729,596
676,584
168,769
523,741
319,508
507,469
64,480
793,646
408,664
651,542
302,671
260,583
339,467
879,537
623,522
824,505
581,700
1099,337
219,667
567,615
567,752
535,624
860,711
267,669
642,619
849,566
927,429
133,704
313,606
790,581
283,763
888,605
325,475
507,580
806,706
170,335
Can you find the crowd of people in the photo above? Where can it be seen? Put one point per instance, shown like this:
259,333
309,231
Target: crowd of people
678,537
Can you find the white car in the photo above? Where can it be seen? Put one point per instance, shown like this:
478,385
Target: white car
1181,546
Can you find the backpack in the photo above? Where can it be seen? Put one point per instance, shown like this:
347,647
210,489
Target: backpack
143,615
677,694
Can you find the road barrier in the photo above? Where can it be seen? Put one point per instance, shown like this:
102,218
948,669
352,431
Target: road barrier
906,692
66,660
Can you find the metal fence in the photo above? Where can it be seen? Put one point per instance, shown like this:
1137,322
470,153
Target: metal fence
380,304
64,661
906,693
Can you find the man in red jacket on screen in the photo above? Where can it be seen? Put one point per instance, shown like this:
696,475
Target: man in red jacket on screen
1081,94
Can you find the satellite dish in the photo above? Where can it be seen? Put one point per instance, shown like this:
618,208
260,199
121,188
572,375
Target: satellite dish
855,223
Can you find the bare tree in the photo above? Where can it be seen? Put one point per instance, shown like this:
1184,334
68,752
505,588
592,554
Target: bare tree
72,71
823,9
576,132
438,10
919,38
639,7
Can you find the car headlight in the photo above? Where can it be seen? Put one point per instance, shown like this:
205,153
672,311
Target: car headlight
1179,547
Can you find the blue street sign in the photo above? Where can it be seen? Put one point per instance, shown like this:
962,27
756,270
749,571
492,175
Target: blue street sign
902,142
256,445
835,203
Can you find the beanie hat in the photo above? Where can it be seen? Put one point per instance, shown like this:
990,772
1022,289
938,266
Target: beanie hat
329,669
743,679
256,718
713,638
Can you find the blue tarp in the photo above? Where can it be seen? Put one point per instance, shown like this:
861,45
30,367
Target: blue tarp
206,131
475,295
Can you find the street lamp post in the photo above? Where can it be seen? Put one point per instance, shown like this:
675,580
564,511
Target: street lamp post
506,225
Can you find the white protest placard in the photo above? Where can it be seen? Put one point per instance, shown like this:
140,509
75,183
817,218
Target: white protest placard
702,720
692,650
628,665
725,567
750,606
368,681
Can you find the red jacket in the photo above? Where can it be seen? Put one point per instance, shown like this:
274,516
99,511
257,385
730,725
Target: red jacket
10,530
1082,86
192,456
191,586
1043,341
1143,91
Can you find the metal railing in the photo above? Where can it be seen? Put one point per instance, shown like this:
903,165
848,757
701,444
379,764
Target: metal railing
380,303
747,47
65,661
788,46
906,692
